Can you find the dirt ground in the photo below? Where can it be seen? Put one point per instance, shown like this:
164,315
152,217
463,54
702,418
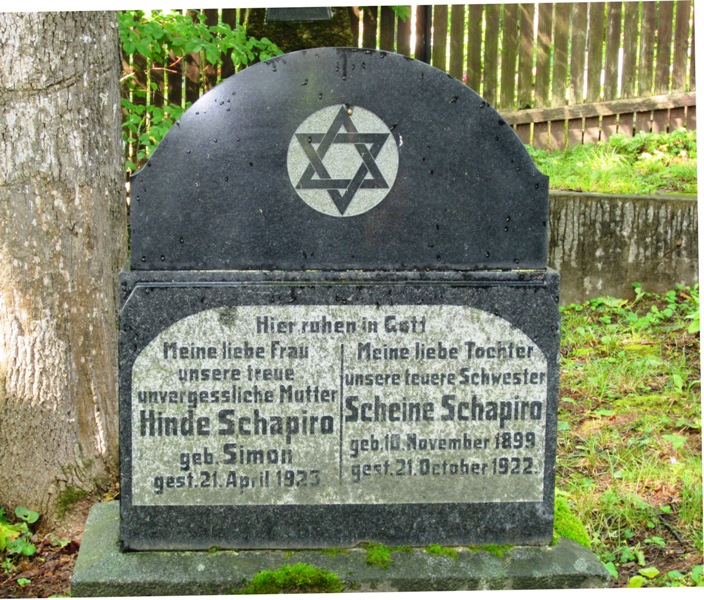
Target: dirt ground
49,571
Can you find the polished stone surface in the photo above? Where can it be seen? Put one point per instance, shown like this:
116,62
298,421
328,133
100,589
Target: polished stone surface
190,487
340,159
338,326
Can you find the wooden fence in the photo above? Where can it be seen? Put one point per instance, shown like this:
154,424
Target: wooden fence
560,73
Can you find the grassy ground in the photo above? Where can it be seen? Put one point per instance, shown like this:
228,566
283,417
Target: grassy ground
647,163
629,441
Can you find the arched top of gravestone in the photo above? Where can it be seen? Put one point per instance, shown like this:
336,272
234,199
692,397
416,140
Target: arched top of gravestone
340,158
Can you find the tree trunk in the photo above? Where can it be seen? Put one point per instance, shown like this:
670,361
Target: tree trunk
62,243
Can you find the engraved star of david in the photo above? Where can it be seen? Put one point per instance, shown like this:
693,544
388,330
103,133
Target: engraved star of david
317,177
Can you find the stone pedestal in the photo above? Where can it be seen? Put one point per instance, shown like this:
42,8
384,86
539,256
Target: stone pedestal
102,570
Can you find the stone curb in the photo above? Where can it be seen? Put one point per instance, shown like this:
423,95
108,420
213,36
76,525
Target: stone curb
102,570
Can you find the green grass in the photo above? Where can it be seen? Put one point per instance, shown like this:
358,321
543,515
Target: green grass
647,163
629,432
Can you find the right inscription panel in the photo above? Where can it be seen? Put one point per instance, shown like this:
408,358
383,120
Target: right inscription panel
442,404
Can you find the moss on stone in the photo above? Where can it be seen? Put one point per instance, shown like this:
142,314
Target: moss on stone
378,555
497,550
334,551
438,550
67,498
300,578
568,525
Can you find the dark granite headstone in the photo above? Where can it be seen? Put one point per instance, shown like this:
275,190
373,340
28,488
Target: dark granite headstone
339,325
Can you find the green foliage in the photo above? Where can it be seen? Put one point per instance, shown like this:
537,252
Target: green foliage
164,38
300,578
646,163
636,581
437,550
14,537
402,12
649,572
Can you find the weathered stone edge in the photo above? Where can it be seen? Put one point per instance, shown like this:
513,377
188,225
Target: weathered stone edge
102,570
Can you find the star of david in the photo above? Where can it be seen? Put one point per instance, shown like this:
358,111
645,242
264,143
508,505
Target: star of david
316,175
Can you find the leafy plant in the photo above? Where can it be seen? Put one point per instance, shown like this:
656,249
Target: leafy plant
14,537
165,38
402,12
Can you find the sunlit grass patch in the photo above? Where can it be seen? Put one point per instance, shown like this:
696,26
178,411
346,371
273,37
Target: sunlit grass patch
647,163
629,432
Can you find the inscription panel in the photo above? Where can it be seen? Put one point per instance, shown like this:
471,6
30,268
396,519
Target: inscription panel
355,404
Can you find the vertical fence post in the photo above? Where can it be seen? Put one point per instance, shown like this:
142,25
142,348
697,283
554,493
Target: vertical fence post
491,53
229,17
353,12
630,47
563,16
595,41
439,44
369,22
457,41
541,131
424,24
609,123
474,47
575,127
524,95
509,54
403,35
387,23
679,59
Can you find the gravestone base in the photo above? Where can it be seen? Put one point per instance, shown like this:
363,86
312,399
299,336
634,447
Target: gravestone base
102,570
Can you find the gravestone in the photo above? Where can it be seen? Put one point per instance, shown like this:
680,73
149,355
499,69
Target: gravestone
338,325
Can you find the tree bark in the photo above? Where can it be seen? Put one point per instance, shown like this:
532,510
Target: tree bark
62,242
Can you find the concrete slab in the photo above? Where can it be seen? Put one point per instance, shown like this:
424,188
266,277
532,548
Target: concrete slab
102,570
